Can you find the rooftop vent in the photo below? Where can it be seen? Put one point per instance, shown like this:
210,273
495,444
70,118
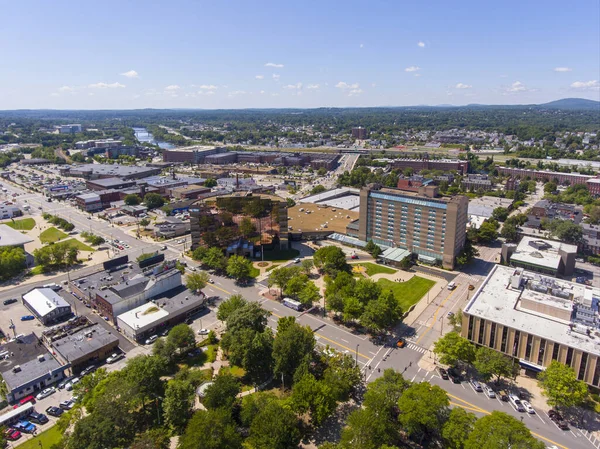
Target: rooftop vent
17,369
41,358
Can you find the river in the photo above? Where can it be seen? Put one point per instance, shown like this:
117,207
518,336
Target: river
143,135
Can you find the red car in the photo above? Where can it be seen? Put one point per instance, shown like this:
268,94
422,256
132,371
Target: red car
354,256
24,401
12,434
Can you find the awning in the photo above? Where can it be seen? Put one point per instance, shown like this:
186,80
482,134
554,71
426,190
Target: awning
395,254
427,259
531,366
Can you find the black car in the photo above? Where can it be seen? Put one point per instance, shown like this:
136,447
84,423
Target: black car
38,418
443,373
54,411
9,301
454,376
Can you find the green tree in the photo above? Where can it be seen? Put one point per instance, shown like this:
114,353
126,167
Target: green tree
222,393
342,375
177,405
560,385
212,429
406,263
487,232
182,337
309,294
490,363
423,410
247,228
317,189
274,427
564,230
501,431
457,429
381,313
295,285
152,439
383,394
331,260
281,276
144,222
452,349
239,268
467,254
510,232
196,281
230,305
307,265
313,396
290,347
322,171
214,259
353,308
500,214
252,404
210,182
366,430
456,321
153,200
132,199
12,262
550,187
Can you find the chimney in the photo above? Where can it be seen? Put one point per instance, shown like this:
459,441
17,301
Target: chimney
142,190
237,181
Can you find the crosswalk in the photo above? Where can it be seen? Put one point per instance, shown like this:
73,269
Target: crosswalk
416,348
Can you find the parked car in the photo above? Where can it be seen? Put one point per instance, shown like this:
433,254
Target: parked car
516,403
45,393
503,395
151,339
354,256
89,370
454,376
9,301
27,318
558,420
69,386
12,434
451,285
443,373
66,405
297,260
38,418
211,281
528,407
476,386
25,400
54,411
489,391
25,426
203,332
115,357
64,382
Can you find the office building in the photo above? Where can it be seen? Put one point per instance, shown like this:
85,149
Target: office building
359,133
537,319
459,166
69,129
542,256
543,175
432,227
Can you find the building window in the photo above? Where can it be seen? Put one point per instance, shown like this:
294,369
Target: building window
596,378
503,342
481,332
555,351
528,347
569,357
470,331
540,360
516,343
493,336
582,366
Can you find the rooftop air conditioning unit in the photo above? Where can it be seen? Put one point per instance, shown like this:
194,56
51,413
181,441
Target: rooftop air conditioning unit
17,369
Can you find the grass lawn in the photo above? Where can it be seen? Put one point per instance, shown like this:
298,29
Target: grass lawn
79,245
211,353
281,255
52,235
44,439
26,224
272,267
254,272
37,270
409,292
373,269
234,371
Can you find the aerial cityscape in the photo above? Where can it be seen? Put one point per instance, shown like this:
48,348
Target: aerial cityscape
311,226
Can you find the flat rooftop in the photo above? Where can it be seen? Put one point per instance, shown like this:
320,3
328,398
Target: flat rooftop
10,237
336,221
496,300
44,300
84,342
330,194
541,252
115,169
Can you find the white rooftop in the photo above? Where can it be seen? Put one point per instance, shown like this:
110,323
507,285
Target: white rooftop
10,237
541,252
320,197
44,300
497,301
144,316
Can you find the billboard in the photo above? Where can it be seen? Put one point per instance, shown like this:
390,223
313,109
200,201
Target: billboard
113,263
152,260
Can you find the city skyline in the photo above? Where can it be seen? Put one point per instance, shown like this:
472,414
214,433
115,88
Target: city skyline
185,55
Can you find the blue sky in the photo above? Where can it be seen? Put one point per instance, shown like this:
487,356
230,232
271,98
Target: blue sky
240,54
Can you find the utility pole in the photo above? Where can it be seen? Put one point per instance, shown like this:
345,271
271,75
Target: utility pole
356,356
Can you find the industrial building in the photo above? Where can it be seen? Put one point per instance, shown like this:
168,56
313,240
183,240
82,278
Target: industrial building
559,177
459,166
542,256
47,305
10,237
432,227
99,171
537,319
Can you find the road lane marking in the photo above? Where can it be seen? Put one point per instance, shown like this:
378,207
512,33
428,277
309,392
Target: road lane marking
469,408
436,314
346,341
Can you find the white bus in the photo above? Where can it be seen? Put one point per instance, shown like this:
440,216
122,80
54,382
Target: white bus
16,414
289,302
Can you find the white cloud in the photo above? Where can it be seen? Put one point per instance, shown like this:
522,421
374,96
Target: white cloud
272,64
463,86
262,92
312,86
344,85
106,86
91,94
275,95
259,77
361,46
172,87
586,85
54,94
563,69
417,75
131,74
66,89
517,86
355,92
208,87
374,85
237,92
421,44
276,76
412,68
297,86
206,92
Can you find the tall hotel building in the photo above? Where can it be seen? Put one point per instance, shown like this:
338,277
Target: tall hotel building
421,222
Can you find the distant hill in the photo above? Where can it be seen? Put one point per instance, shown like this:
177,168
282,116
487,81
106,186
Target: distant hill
572,103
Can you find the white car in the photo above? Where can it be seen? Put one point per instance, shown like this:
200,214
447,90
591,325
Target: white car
45,393
297,260
203,332
211,281
71,384
490,393
151,339
528,407
115,357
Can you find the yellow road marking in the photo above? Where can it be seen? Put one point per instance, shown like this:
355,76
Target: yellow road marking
472,406
316,333
477,410
435,315
548,440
